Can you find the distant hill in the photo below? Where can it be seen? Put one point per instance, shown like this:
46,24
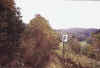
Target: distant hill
80,33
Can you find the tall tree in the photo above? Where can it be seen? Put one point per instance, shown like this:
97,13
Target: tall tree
11,27
39,40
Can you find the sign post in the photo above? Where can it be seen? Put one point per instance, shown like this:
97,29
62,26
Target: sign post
64,40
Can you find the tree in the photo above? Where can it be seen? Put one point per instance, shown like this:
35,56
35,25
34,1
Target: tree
7,4
74,45
95,45
39,39
11,27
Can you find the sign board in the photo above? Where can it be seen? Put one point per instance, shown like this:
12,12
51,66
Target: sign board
64,38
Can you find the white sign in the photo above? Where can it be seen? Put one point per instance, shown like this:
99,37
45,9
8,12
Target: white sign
65,38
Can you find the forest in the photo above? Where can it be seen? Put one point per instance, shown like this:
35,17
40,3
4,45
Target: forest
38,45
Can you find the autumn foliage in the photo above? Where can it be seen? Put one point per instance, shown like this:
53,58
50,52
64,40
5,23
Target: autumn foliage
7,4
37,45
10,29
38,41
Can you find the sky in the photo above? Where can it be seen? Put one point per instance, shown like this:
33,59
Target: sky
62,14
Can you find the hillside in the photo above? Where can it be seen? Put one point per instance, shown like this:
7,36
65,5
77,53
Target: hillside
80,33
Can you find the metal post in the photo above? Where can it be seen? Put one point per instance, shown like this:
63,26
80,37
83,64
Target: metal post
64,55
64,39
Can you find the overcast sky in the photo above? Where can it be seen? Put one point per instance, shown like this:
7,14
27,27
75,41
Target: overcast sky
63,13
